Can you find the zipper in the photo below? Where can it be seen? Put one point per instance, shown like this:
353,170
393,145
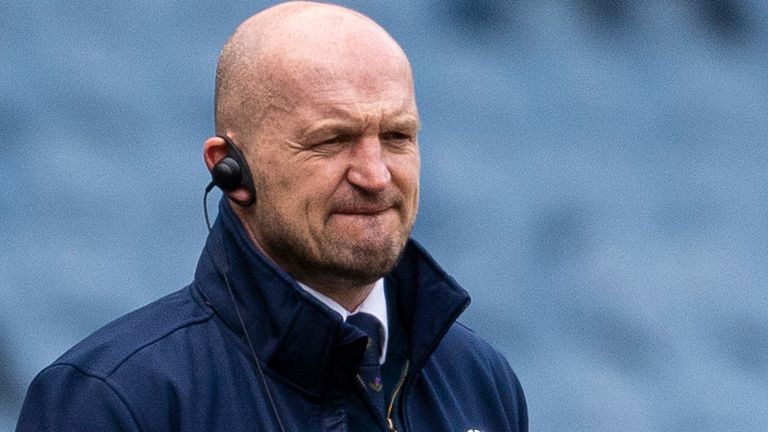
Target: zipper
362,383
390,409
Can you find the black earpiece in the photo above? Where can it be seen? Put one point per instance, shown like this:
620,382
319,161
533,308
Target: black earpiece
232,172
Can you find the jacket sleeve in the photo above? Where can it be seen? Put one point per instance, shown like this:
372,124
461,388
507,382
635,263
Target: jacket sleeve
64,398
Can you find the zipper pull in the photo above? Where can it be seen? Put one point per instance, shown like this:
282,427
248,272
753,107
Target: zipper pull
391,425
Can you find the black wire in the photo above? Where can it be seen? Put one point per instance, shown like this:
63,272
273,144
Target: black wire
205,205
237,310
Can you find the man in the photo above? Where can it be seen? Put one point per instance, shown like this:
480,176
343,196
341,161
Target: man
311,310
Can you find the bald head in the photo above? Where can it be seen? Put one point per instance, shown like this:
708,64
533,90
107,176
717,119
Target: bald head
281,49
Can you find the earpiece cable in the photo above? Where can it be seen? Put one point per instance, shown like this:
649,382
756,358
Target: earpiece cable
237,311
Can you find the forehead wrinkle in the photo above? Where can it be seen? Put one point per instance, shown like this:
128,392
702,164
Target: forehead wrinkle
339,117
339,108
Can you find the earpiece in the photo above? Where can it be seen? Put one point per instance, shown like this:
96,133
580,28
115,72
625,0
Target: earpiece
232,172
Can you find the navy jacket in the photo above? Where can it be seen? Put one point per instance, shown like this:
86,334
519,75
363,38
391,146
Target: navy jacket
182,363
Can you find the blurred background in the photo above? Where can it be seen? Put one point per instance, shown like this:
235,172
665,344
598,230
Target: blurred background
594,174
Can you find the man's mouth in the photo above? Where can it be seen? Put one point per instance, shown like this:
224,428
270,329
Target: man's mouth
363,211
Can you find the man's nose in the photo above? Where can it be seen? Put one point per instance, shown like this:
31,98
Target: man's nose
368,169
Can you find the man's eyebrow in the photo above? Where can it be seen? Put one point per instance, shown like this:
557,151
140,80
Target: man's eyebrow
402,121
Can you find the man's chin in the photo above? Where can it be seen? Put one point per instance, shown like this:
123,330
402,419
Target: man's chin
367,259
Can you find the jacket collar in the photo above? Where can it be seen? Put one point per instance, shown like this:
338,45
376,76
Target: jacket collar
298,338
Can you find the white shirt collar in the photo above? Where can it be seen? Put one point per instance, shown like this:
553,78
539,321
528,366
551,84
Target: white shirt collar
375,304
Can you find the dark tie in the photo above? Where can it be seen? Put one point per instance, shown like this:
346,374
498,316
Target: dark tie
369,371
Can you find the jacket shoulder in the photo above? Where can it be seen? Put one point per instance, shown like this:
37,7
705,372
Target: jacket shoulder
101,353
78,391
462,340
468,368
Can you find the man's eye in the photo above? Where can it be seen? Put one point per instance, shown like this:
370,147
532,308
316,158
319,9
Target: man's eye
395,136
330,141
331,145
396,139
340,138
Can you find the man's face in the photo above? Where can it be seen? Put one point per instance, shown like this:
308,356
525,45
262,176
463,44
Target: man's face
336,168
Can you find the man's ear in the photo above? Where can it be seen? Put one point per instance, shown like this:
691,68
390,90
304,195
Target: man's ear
214,150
